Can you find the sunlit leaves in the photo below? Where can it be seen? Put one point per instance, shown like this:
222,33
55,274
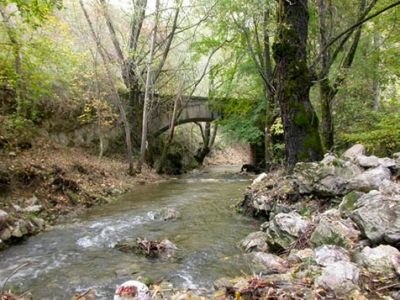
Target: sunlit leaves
34,12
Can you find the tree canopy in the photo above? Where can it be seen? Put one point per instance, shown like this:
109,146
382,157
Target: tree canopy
310,76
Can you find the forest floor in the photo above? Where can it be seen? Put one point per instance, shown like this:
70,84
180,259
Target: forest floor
63,181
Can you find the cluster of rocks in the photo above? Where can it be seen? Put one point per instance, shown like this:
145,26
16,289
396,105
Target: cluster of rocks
332,228
23,222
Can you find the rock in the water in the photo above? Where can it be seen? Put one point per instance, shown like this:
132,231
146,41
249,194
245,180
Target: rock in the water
165,214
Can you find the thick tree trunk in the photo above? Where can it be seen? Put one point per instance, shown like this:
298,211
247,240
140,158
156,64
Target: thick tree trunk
293,81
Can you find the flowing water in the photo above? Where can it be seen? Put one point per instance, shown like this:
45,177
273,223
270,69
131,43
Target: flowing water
79,255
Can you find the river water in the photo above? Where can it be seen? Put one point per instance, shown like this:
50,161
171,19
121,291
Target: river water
80,255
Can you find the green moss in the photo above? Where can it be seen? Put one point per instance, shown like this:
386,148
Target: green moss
301,118
349,201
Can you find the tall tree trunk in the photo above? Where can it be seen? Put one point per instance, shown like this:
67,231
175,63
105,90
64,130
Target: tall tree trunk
376,84
271,111
115,94
293,81
143,145
325,90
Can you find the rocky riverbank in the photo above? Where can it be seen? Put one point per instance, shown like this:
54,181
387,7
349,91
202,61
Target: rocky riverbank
332,230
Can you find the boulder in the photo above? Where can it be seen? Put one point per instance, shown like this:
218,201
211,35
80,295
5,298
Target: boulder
263,203
329,254
333,230
382,260
368,161
348,203
328,178
255,241
388,163
3,217
390,189
354,152
370,180
284,229
5,234
268,263
339,278
378,218
20,229
301,255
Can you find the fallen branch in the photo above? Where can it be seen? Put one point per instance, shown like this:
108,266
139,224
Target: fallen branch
14,272
78,297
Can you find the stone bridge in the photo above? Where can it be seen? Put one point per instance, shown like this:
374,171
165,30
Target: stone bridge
193,109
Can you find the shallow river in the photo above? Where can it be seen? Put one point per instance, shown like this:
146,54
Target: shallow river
75,257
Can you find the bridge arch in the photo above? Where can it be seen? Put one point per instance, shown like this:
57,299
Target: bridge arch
195,109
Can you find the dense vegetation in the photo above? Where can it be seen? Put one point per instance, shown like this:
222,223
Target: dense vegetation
313,77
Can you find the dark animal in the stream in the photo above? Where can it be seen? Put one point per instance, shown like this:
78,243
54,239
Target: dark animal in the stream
247,168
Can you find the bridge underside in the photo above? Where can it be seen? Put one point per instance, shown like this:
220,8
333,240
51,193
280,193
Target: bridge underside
194,111
180,122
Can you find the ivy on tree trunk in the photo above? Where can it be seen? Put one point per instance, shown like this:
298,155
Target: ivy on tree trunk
293,83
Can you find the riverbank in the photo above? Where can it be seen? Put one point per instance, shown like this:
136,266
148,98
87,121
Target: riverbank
44,183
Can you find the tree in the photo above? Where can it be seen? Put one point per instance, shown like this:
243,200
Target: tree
147,91
293,83
328,88
259,48
31,15
115,94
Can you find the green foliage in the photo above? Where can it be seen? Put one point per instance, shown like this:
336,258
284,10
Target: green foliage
381,136
34,12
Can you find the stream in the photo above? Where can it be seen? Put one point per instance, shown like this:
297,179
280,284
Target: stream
80,254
